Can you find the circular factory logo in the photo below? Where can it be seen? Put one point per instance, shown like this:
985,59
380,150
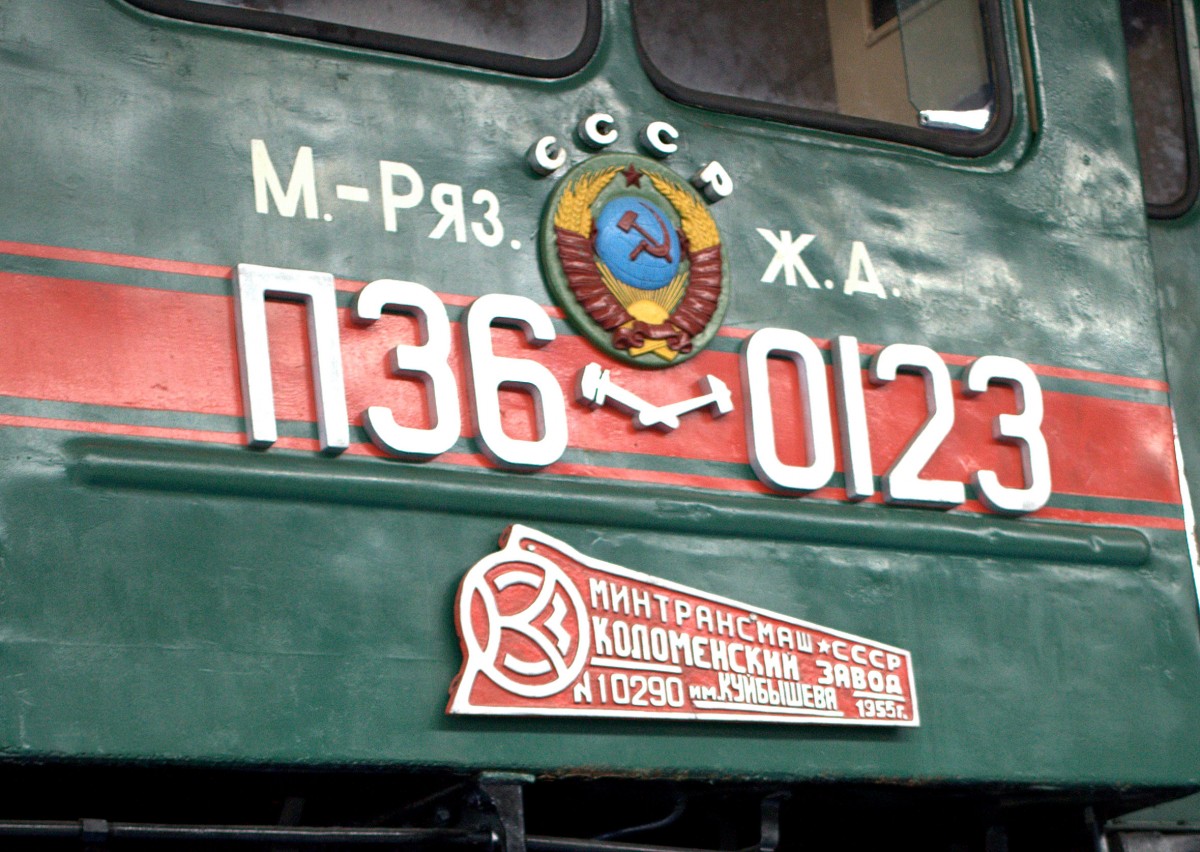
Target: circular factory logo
524,624
634,258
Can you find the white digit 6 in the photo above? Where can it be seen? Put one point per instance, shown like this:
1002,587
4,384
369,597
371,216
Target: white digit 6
903,483
1024,426
488,372
427,361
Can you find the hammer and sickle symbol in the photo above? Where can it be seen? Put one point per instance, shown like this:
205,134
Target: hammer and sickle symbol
655,248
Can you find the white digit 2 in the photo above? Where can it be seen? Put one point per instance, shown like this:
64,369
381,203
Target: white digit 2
902,484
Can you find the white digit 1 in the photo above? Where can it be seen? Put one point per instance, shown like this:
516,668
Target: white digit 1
902,484
814,402
488,372
1024,426
852,419
427,361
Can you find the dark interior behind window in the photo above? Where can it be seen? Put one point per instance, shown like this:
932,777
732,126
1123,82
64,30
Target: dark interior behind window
1162,106
882,11
735,50
549,38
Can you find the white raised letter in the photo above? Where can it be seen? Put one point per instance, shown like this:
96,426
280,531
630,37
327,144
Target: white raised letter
597,130
392,201
446,199
787,258
302,183
860,263
658,137
713,181
252,285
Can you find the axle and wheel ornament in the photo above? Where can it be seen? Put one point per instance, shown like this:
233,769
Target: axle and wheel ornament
595,387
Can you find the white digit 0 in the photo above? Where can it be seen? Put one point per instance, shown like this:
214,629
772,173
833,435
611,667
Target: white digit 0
814,402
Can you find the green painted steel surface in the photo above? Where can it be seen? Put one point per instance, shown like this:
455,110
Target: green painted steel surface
166,601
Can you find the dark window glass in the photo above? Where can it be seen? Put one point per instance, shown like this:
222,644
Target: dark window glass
882,11
1162,113
932,79
544,37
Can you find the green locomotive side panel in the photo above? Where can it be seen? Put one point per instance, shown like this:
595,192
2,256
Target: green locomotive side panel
169,593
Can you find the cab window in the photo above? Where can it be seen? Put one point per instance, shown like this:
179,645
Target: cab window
929,72
549,38
1160,87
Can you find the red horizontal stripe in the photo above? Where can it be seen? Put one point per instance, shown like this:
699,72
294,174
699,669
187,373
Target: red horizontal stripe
92,427
1084,516
1103,378
459,300
1043,370
105,258
104,344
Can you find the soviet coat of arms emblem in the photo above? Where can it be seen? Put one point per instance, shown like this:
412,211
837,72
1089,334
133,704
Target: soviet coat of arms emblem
634,258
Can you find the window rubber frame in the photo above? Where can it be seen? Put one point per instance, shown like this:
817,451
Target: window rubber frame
294,25
957,143
1191,184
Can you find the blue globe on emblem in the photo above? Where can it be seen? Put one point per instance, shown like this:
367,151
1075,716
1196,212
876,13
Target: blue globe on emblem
638,243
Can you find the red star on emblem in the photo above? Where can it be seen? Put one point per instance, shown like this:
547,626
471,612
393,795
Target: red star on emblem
632,176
